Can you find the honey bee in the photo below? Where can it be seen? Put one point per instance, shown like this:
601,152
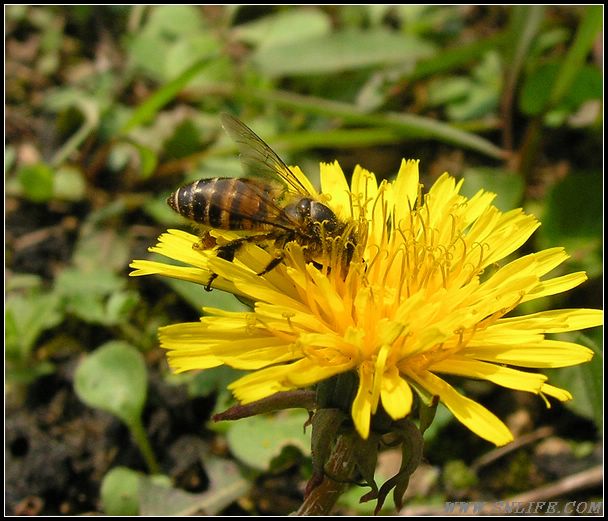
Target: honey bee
270,206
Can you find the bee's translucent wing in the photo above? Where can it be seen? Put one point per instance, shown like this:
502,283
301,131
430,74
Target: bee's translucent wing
258,158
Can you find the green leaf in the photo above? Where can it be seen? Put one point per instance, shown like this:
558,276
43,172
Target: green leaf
508,186
456,57
101,249
447,90
226,485
585,381
587,32
185,140
94,296
284,27
536,89
69,103
69,184
120,492
186,51
36,182
10,158
166,27
149,108
256,441
407,125
113,379
573,219
341,51
197,297
214,380
175,20
586,85
148,160
26,317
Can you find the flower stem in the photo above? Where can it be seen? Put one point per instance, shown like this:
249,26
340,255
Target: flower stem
339,471
141,439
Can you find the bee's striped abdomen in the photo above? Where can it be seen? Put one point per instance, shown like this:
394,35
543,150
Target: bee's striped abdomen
224,202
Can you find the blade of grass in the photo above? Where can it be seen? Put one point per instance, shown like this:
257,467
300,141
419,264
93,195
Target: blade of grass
407,124
150,107
575,58
586,34
525,21
90,115
456,57
303,140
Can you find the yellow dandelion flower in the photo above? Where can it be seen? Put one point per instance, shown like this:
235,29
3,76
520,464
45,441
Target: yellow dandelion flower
424,296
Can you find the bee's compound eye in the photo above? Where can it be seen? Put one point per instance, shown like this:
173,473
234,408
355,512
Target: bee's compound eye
319,213
304,207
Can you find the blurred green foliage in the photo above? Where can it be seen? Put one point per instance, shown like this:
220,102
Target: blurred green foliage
109,108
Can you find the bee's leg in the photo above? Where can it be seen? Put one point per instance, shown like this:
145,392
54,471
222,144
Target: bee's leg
278,257
211,279
226,252
273,263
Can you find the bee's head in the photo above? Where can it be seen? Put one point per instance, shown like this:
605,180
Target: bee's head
312,214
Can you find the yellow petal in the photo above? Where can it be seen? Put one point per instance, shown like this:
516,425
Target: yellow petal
335,188
473,415
504,376
555,320
405,188
362,405
544,353
556,285
561,394
304,181
365,188
396,395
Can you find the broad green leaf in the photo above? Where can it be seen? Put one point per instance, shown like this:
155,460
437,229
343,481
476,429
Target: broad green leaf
113,379
100,282
284,27
537,88
256,441
508,186
175,20
102,249
69,184
573,219
185,140
226,485
120,492
158,209
585,381
187,51
26,317
36,182
10,157
214,380
447,90
197,297
166,28
479,102
342,51
586,85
